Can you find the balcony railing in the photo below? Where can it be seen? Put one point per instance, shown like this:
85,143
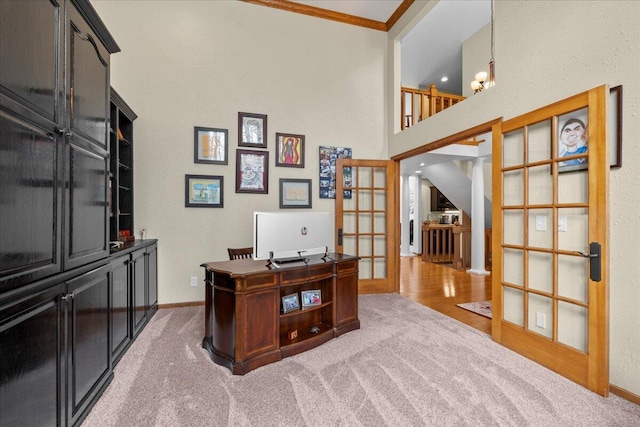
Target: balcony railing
424,103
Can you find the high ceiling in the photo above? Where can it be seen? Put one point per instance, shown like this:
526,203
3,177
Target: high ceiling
433,49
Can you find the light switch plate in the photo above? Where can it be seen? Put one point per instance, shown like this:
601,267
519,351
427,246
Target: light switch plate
562,223
541,320
541,223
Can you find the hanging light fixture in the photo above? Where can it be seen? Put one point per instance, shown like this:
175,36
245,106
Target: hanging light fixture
481,82
492,62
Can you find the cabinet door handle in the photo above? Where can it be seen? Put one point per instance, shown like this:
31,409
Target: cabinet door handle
67,297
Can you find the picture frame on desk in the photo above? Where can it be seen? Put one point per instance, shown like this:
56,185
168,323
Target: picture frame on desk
203,191
210,145
290,303
311,298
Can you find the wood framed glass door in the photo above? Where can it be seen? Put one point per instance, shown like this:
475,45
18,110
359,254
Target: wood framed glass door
550,240
366,221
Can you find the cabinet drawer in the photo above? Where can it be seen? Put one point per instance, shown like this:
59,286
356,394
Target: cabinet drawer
302,275
255,282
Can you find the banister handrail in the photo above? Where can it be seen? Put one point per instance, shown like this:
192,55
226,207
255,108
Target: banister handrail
429,103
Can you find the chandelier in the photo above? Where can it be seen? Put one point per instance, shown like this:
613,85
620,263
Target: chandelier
480,83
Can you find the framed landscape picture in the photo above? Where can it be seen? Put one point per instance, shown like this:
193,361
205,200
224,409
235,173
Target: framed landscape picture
203,191
252,171
210,145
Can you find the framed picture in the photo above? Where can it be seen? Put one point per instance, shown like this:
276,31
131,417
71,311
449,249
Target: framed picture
289,150
328,158
295,193
573,139
252,130
290,303
210,145
311,298
615,125
203,191
252,171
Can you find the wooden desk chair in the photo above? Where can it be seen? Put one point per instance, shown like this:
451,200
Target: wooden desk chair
240,253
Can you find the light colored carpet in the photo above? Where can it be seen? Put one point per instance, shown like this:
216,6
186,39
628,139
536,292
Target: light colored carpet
407,366
483,308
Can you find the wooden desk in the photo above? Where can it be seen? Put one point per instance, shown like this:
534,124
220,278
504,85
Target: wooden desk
245,327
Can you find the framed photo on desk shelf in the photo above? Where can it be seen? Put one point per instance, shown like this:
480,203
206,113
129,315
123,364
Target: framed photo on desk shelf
311,298
290,303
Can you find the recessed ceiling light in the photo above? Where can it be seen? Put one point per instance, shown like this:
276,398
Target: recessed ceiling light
444,79
421,164
418,171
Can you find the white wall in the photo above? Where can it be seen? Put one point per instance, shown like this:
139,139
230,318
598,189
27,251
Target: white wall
186,64
547,51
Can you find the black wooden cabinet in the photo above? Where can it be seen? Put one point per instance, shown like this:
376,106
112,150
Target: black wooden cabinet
120,307
133,293
55,354
53,138
439,202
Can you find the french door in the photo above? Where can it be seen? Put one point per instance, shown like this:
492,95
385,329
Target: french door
550,240
366,221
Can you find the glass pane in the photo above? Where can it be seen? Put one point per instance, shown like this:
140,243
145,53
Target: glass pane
365,178
349,222
540,228
380,177
513,188
572,325
380,200
365,223
513,148
540,185
513,271
349,245
379,223
379,268
573,277
365,246
540,271
380,245
540,317
539,141
349,204
573,187
364,268
573,229
513,306
364,200
513,224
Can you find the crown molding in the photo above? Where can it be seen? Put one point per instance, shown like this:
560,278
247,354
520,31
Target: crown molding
345,18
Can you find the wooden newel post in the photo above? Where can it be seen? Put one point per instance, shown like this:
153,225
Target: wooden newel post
458,263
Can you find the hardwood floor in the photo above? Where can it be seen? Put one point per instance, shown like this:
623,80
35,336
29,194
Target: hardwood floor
440,287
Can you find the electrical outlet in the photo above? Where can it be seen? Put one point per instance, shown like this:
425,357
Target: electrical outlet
194,281
541,320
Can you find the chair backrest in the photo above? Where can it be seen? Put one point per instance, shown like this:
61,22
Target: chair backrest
240,253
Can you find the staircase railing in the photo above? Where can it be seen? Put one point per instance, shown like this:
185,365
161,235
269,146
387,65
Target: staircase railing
451,244
424,103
